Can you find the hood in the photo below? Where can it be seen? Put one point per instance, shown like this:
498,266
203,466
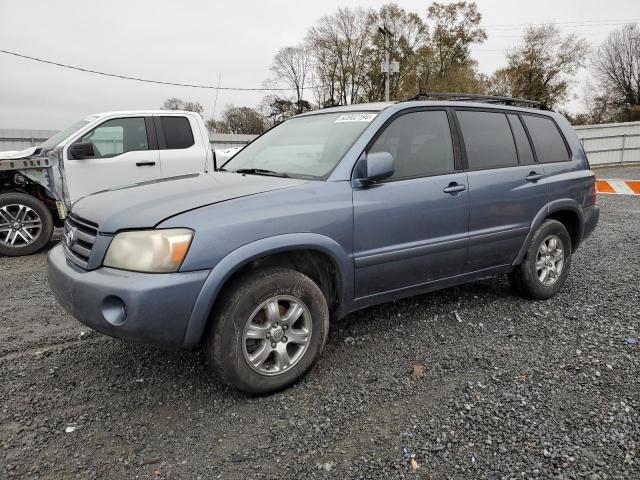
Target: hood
16,155
145,205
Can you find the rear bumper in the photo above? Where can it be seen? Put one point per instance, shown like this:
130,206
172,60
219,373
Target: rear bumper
591,217
144,307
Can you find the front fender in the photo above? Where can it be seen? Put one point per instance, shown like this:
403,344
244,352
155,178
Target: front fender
551,207
238,258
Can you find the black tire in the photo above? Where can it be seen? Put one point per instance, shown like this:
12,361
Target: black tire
42,235
525,279
225,348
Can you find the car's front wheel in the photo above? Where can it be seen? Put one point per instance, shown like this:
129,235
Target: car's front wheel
546,265
269,327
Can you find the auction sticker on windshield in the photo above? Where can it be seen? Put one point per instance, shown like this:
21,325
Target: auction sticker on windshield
356,117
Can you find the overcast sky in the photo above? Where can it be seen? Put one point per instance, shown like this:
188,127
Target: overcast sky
195,41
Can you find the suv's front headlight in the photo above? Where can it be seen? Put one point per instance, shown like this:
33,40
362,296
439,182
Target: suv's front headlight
154,251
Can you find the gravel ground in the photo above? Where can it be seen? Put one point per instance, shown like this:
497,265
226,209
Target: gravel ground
473,381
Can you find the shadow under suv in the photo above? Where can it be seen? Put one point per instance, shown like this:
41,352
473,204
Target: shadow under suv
329,212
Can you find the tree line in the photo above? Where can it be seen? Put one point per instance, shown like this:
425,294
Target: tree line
339,62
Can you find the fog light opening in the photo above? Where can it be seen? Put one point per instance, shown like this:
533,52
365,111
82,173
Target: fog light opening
114,310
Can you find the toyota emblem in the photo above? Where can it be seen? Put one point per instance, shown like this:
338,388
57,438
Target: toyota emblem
70,235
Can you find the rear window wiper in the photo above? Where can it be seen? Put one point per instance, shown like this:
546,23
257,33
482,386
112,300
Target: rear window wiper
261,171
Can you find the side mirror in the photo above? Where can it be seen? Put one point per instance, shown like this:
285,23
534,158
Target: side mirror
374,167
81,150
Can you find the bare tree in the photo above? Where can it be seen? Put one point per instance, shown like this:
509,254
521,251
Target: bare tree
543,65
617,68
244,120
599,107
444,62
456,26
500,83
292,65
337,43
175,103
408,32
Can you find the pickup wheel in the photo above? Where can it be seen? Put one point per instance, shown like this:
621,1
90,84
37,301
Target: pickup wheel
268,329
546,265
26,224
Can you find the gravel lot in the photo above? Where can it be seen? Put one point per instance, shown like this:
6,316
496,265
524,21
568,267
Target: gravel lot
476,383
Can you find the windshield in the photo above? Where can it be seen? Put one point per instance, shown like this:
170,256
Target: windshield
58,137
309,146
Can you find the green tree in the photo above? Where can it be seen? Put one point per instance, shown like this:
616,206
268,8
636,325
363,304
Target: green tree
275,109
444,63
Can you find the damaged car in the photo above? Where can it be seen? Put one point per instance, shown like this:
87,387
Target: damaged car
38,185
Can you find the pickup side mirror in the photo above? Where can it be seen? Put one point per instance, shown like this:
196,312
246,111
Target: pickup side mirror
81,150
374,167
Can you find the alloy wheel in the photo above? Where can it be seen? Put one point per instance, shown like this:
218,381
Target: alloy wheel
550,260
276,335
19,225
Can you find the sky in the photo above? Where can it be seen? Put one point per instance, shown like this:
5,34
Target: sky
201,41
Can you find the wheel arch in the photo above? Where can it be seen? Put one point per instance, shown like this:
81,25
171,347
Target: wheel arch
567,212
319,257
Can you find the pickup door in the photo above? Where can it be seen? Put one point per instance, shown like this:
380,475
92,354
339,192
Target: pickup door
182,144
125,152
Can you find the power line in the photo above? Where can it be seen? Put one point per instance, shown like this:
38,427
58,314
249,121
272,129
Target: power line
599,22
137,79
585,34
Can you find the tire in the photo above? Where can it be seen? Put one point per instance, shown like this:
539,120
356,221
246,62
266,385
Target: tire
26,224
528,279
243,328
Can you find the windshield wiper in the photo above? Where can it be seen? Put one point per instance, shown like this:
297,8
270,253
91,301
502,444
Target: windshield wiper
262,171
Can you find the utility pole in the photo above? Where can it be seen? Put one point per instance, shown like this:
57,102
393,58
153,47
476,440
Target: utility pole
385,68
387,76
388,67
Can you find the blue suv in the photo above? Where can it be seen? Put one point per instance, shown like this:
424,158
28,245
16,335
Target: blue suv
329,212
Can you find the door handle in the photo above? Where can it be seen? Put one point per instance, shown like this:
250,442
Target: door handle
534,176
145,164
454,188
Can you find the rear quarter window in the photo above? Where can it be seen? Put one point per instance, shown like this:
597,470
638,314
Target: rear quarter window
487,139
525,154
177,132
547,140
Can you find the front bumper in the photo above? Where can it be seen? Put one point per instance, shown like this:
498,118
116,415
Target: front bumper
144,307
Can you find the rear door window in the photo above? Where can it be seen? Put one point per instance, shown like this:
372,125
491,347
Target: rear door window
546,138
487,139
177,132
525,154
420,143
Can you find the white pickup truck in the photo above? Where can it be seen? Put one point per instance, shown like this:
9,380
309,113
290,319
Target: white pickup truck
102,151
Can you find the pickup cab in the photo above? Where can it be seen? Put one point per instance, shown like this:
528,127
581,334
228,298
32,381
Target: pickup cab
102,151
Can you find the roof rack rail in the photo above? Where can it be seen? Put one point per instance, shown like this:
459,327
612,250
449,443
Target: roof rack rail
474,97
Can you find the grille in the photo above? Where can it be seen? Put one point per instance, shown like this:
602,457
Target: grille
79,237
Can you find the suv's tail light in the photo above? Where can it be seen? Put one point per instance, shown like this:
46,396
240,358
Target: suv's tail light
594,190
